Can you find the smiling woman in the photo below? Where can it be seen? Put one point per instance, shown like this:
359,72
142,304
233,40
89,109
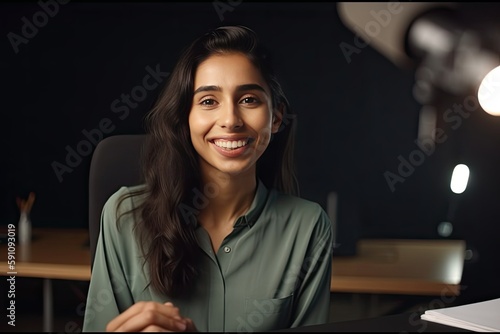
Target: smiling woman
230,123
251,256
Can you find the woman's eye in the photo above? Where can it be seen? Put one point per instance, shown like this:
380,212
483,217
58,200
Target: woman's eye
208,102
249,100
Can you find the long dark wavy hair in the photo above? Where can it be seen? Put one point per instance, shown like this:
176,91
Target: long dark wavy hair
170,162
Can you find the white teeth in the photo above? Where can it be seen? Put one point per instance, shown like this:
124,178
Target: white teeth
230,144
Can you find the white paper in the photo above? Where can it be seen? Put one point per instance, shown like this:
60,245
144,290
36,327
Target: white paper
479,317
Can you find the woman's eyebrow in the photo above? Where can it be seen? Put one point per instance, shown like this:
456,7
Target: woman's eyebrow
250,87
207,89
238,88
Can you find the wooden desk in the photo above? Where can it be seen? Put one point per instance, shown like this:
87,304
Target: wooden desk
52,254
413,267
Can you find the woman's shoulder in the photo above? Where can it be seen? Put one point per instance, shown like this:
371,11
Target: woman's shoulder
291,203
126,198
297,209
299,214
122,204
118,220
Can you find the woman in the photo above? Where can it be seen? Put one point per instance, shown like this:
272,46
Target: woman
214,239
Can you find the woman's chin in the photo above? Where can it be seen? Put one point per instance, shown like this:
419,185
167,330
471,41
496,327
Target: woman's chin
236,170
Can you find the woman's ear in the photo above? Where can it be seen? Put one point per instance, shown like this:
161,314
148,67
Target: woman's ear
277,117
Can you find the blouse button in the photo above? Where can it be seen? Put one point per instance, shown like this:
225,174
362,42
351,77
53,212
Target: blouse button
227,249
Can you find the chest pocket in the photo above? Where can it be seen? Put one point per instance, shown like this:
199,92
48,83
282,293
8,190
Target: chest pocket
268,314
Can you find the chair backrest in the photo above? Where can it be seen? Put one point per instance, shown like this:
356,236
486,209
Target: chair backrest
115,163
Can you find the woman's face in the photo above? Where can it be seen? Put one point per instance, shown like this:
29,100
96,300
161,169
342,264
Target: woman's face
231,118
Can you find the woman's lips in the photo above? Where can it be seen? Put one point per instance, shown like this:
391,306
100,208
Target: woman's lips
231,147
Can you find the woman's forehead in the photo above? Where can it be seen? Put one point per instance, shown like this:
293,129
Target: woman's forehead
228,70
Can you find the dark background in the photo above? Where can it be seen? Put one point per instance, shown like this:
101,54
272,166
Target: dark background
354,119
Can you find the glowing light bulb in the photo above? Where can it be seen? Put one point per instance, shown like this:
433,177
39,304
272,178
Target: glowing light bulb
459,178
489,92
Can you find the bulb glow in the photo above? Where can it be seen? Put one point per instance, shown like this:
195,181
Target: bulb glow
489,92
459,178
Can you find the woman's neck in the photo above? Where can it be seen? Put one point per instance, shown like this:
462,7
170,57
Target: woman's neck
226,197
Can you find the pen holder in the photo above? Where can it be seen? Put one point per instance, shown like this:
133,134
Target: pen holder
24,228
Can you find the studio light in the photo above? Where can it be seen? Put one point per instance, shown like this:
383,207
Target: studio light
450,56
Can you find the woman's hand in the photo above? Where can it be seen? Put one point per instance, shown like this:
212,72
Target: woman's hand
151,317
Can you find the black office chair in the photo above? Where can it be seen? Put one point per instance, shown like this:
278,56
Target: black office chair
115,163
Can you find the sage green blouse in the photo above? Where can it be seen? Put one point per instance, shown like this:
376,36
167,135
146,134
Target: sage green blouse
271,272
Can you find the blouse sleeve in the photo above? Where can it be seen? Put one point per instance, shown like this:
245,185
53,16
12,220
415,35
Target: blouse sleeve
313,295
108,293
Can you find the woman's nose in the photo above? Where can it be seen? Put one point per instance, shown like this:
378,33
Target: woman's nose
230,117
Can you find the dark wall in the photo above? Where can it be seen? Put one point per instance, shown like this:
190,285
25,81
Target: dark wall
355,116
